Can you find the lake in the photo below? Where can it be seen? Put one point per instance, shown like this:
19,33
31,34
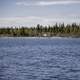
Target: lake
39,58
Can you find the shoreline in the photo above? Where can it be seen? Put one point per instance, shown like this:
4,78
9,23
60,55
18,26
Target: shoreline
39,37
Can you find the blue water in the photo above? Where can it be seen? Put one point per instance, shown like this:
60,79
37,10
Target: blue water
39,58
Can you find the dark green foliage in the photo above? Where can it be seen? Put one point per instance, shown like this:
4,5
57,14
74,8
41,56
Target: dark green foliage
55,30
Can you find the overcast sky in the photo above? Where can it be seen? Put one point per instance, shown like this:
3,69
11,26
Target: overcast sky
33,12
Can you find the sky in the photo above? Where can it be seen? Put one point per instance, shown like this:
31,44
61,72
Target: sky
32,12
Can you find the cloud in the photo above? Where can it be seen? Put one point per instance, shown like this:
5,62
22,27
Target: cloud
34,20
47,3
22,21
43,3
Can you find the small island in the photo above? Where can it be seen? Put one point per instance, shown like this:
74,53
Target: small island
57,30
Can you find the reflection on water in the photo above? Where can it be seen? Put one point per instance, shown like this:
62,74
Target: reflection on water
39,59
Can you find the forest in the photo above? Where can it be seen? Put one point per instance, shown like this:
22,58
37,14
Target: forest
57,30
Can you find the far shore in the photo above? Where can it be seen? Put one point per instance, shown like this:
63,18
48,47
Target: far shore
39,37
61,30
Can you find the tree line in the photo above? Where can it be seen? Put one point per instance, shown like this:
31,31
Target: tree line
62,30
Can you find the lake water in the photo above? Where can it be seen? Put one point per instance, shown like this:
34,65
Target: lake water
39,58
